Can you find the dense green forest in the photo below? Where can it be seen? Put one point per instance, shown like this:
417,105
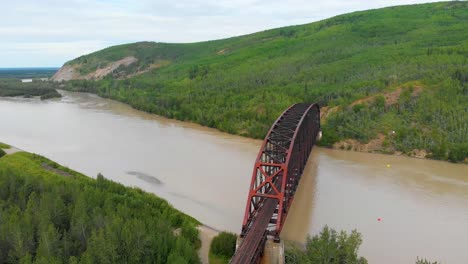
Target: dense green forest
14,87
240,85
51,214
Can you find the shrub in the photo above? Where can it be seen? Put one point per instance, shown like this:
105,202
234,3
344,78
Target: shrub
425,261
328,247
191,233
224,245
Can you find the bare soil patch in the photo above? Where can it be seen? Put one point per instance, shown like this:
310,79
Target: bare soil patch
391,98
101,73
11,150
151,67
206,235
352,144
326,111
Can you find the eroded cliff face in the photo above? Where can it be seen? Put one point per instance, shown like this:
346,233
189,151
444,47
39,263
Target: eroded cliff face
66,73
72,72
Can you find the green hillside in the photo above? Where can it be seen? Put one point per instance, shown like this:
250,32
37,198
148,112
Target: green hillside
51,214
409,64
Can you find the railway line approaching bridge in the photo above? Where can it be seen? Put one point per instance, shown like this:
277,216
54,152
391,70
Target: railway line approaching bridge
276,175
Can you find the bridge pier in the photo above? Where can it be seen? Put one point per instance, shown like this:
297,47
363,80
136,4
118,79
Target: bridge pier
273,252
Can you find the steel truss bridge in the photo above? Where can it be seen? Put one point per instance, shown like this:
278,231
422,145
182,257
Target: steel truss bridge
276,175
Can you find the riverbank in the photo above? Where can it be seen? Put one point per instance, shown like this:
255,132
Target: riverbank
15,88
206,233
9,149
374,146
101,210
378,145
241,85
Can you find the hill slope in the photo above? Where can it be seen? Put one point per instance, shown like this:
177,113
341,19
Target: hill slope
401,69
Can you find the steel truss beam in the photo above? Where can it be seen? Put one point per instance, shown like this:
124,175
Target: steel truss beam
276,175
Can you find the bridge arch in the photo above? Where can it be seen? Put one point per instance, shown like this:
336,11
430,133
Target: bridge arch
277,171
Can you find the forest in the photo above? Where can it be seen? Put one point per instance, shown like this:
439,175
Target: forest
14,87
350,64
51,214
27,73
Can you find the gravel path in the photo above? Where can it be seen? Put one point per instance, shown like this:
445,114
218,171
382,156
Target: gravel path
206,235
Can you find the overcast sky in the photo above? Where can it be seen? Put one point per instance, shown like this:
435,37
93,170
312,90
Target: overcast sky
47,33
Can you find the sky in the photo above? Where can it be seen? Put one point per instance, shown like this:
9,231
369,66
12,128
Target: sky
47,33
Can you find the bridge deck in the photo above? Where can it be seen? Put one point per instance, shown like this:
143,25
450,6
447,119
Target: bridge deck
256,237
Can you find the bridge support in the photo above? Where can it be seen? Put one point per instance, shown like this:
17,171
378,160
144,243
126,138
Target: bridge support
271,253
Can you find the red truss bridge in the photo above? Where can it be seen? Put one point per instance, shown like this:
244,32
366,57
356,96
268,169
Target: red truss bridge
276,175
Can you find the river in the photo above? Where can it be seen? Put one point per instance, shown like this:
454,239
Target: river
422,204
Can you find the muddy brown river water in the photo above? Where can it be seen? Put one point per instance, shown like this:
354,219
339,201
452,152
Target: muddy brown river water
422,204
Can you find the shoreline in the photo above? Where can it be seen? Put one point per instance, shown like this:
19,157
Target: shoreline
399,154
206,232
11,150
192,124
206,235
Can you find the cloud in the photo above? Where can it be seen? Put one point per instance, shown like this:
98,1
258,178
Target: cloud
45,54
50,32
